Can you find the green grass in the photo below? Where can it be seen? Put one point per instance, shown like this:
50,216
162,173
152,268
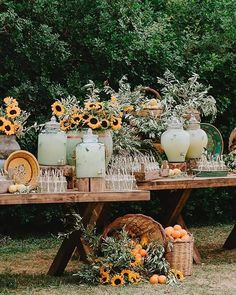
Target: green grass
24,262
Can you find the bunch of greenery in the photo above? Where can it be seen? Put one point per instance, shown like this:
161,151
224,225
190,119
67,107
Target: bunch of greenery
116,259
180,98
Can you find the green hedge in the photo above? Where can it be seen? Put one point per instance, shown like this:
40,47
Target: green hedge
50,48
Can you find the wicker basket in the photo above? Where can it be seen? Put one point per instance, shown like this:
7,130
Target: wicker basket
137,225
180,256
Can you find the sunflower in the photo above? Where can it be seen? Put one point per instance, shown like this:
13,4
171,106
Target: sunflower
116,123
144,240
178,274
2,122
93,122
58,108
75,119
105,278
10,101
117,280
84,116
134,277
128,109
104,270
113,99
13,111
99,106
8,128
125,273
17,126
90,105
104,124
65,125
137,260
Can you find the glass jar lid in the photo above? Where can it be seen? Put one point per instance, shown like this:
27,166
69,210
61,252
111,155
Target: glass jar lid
175,123
90,137
193,123
52,126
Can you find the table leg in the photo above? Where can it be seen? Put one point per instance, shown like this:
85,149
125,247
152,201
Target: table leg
230,242
90,216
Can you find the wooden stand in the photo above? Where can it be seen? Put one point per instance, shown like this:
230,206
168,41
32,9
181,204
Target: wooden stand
93,184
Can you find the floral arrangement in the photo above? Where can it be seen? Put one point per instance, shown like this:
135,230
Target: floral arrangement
12,118
180,98
121,259
94,113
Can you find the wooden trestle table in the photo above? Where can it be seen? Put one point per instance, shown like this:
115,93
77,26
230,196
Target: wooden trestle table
93,211
175,192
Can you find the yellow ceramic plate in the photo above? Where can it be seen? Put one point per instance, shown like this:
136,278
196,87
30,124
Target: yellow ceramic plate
23,167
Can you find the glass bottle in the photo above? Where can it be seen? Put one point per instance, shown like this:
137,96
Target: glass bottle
198,139
175,141
52,145
90,157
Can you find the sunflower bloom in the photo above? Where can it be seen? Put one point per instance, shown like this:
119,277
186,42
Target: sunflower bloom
137,261
134,277
117,280
99,106
58,108
75,119
17,127
93,123
116,123
144,240
90,105
8,128
104,269
125,273
128,109
65,125
2,122
10,101
105,278
104,123
178,274
113,99
85,116
13,111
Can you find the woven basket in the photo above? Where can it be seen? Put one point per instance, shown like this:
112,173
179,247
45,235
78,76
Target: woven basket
180,256
137,225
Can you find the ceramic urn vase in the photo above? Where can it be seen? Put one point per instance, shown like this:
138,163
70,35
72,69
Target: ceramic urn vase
198,139
175,141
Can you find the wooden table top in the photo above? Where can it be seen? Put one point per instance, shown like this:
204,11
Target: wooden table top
188,183
73,197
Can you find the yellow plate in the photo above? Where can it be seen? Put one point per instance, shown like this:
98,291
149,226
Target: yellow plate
23,167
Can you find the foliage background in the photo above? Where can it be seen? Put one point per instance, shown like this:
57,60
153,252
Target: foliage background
50,48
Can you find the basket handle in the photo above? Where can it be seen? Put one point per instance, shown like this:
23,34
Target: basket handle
153,91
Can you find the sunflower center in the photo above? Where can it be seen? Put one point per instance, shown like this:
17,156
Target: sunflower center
115,122
104,124
58,108
117,281
1,122
93,121
85,117
8,127
13,112
76,119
